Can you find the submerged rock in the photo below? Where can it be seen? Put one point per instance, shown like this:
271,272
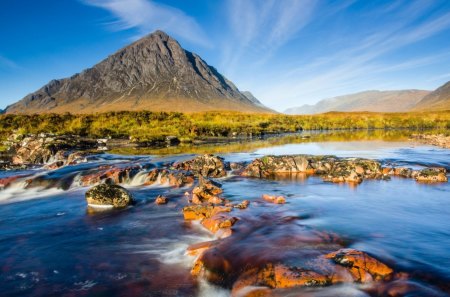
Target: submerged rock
108,195
199,212
161,200
274,199
206,165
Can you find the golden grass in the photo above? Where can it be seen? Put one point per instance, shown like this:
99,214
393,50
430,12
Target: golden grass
147,126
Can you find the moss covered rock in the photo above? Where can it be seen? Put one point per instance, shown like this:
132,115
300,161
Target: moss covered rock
109,195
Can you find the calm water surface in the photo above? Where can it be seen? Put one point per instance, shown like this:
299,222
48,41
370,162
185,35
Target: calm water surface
51,246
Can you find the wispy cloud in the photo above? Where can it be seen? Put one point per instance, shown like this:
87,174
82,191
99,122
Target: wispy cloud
361,63
147,16
7,63
260,28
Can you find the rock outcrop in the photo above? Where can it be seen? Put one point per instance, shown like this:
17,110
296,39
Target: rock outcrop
205,165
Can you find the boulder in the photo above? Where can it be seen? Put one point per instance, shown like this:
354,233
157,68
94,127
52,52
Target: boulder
105,195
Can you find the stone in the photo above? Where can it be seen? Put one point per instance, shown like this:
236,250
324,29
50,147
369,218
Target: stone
219,221
108,195
363,267
206,191
161,200
243,205
199,212
274,199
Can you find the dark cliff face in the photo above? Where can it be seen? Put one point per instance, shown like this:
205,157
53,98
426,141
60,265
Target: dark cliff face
140,76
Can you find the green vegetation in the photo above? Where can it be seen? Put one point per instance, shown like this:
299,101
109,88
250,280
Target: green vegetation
146,126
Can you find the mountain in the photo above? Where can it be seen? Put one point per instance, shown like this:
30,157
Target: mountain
436,100
153,73
376,101
252,98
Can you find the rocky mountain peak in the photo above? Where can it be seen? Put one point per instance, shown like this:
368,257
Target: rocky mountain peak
152,73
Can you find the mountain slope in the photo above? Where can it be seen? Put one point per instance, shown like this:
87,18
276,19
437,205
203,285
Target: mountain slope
436,100
376,101
153,73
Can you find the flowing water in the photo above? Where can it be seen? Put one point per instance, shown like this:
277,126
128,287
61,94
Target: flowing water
51,245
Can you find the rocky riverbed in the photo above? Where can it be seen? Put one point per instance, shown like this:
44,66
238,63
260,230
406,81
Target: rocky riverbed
440,140
239,226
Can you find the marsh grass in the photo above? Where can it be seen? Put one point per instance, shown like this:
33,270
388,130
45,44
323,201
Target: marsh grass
146,126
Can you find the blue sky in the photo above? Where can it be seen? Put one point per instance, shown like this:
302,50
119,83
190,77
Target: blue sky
286,52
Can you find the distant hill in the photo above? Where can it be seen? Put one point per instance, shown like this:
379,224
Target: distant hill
436,100
376,101
153,73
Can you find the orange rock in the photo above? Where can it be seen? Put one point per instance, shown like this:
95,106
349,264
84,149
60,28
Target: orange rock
387,170
215,200
277,276
161,200
363,267
274,199
198,248
205,191
218,221
199,212
243,205
288,277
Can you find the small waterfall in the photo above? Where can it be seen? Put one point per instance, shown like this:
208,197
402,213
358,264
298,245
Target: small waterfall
139,179
76,183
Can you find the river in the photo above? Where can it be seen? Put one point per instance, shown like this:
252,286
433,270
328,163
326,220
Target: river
50,245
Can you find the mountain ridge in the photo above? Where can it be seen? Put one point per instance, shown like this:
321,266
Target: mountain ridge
152,73
439,99
371,100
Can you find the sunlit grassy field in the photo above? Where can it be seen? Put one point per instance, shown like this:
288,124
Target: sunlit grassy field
146,126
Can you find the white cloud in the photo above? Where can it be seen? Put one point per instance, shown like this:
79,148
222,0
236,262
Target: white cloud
148,16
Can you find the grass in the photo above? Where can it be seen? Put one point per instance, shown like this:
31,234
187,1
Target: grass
146,126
